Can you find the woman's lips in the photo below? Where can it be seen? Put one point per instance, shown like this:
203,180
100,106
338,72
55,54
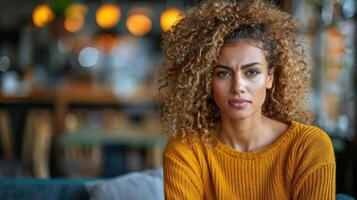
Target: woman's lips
238,103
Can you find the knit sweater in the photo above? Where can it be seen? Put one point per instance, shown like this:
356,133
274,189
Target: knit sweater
300,164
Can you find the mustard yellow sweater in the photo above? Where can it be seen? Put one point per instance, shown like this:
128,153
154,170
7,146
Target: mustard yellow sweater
299,165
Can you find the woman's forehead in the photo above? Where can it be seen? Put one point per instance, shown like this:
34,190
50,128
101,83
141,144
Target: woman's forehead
241,52
251,42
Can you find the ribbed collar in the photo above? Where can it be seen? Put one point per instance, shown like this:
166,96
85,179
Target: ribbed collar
265,152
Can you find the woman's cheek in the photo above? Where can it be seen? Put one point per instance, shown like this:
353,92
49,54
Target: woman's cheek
258,82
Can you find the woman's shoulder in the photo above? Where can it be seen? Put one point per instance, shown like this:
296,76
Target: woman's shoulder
311,134
182,145
314,141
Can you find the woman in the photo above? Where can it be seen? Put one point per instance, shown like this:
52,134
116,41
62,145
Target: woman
234,84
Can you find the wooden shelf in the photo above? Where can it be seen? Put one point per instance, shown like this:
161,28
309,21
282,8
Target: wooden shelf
83,137
84,93
67,94
73,94
36,96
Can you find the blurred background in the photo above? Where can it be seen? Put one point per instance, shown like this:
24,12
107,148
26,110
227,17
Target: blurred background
78,83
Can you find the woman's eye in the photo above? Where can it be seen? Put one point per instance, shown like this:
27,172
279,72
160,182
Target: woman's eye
224,74
251,73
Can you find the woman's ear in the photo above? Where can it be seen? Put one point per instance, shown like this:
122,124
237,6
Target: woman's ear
270,79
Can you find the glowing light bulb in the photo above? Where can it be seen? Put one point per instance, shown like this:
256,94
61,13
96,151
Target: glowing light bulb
169,17
138,24
108,15
42,15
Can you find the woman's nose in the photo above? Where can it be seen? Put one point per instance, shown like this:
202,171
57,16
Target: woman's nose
238,84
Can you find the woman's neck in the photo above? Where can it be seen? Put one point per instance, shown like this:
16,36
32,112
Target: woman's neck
245,134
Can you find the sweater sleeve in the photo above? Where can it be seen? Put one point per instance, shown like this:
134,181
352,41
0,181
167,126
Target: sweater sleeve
182,178
320,184
315,177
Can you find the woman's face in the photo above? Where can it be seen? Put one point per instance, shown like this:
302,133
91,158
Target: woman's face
240,80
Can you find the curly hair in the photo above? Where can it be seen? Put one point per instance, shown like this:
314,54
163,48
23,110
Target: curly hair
191,51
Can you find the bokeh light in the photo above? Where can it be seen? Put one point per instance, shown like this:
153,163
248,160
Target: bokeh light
65,44
75,17
76,8
138,24
74,22
105,42
88,57
108,15
42,15
4,63
169,17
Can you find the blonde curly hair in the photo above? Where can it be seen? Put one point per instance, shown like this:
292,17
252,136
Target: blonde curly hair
191,51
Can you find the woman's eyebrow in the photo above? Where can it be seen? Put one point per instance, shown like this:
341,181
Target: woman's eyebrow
242,67
222,66
250,64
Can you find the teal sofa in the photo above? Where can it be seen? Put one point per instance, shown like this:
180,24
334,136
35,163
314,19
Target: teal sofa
145,185
148,182
49,189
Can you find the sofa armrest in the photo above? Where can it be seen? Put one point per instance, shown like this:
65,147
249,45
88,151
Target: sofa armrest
49,189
